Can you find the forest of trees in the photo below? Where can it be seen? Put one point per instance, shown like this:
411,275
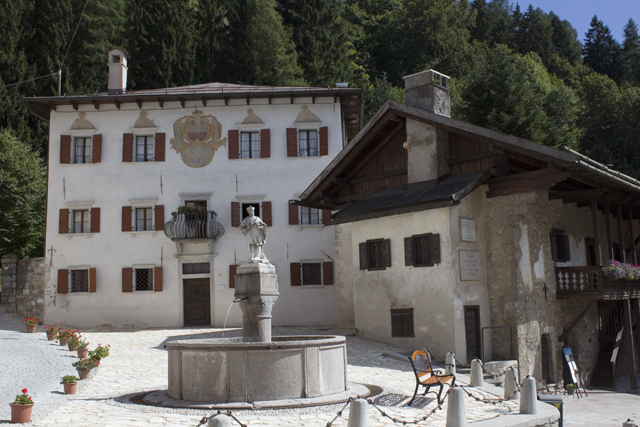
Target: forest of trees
514,69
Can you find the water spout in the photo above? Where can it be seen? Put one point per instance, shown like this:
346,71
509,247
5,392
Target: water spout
240,299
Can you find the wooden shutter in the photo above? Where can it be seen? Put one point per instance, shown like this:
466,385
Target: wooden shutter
364,264
292,142
63,225
126,218
96,149
327,273
293,213
234,150
324,141
386,253
232,275
63,281
266,213
157,279
408,251
160,142
326,216
434,244
159,217
127,147
296,277
65,149
265,143
95,220
235,214
127,280
92,280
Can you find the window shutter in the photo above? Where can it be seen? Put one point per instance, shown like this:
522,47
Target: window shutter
296,278
567,248
292,142
65,149
63,281
159,217
127,147
327,273
160,140
232,275
408,251
386,253
126,218
326,216
96,149
234,150
293,213
363,256
265,143
92,280
266,213
63,226
95,220
157,279
235,214
324,141
127,280
434,244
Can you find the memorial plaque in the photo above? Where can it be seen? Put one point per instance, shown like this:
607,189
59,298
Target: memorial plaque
470,268
468,229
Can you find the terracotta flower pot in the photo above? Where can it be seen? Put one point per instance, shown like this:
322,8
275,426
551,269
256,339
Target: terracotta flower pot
84,374
82,353
97,363
70,388
64,341
51,336
21,413
72,346
31,328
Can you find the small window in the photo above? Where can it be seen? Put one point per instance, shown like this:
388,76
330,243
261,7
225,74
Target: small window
143,279
375,254
115,58
196,203
144,148
196,268
422,250
309,215
402,323
560,250
144,219
82,150
256,207
80,221
249,145
79,281
308,143
311,273
374,250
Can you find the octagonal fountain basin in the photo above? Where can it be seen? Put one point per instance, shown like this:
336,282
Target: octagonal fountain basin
222,370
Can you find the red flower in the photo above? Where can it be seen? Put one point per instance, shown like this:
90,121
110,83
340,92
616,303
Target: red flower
24,390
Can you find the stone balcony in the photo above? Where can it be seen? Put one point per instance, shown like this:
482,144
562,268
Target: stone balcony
589,282
193,227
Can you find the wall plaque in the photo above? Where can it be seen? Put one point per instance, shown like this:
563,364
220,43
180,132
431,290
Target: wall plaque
468,229
470,268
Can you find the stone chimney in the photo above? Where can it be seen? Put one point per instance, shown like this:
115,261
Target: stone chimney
117,62
428,146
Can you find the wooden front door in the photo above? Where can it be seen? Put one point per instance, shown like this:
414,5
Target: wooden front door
472,331
197,302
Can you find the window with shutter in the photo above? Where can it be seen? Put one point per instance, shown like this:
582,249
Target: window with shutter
126,218
324,141
327,273
127,280
311,273
95,220
127,147
63,225
96,152
235,214
157,279
422,250
375,254
234,152
63,281
249,145
296,278
160,147
145,148
266,214
159,217
256,210
292,142
92,280
560,250
402,323
82,149
65,149
79,280
293,213
265,143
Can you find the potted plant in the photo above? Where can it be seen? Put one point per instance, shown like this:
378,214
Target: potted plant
21,408
84,367
32,324
70,383
571,389
52,331
64,336
73,340
82,348
99,353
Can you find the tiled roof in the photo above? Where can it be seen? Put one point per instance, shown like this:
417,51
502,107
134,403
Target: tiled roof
229,88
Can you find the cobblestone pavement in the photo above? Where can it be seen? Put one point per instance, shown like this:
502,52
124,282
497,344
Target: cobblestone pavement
138,362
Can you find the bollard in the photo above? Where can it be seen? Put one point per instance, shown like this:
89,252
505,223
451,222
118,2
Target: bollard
358,413
510,385
220,421
529,397
476,373
629,423
450,364
456,414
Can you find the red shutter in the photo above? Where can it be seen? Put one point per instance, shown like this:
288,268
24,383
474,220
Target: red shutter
232,276
65,148
292,142
327,273
266,213
235,214
63,281
92,280
95,220
126,218
63,225
96,149
159,217
326,216
265,143
127,280
234,151
293,214
324,141
127,147
157,279
160,147
296,278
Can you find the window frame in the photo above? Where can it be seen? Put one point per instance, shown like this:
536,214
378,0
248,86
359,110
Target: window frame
414,242
146,153
87,149
566,246
308,147
150,221
72,270
150,271
243,209
316,263
252,150
85,223
375,243
309,216
403,312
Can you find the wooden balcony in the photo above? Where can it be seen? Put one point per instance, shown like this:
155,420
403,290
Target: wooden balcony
193,226
589,282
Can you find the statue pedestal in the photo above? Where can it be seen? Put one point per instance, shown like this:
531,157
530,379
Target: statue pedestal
257,286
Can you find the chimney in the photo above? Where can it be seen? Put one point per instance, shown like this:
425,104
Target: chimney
427,145
117,62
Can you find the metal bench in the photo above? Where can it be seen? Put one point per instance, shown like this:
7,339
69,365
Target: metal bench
427,377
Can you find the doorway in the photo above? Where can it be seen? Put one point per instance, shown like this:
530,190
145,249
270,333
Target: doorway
197,302
472,332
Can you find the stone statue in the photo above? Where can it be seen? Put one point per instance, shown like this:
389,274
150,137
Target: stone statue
255,235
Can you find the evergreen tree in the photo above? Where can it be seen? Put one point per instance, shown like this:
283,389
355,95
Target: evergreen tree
493,22
534,34
379,92
625,150
565,39
601,51
631,53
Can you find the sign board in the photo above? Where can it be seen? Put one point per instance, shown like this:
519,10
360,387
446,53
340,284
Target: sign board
470,268
468,229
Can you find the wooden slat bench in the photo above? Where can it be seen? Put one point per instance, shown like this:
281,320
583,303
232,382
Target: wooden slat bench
427,377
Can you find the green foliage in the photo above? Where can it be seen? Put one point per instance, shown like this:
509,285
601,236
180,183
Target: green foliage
378,93
631,53
84,364
22,197
601,51
69,379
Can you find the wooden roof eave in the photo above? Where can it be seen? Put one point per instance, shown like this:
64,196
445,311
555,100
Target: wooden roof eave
379,213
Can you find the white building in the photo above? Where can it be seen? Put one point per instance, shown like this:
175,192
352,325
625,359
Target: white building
122,163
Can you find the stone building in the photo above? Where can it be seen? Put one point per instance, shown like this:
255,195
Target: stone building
463,239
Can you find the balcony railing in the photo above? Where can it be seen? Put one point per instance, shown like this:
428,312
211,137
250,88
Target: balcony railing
194,225
589,282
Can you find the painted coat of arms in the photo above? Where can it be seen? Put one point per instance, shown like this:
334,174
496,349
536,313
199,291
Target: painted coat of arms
197,138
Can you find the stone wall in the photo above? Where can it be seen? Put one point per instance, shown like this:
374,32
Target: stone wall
23,285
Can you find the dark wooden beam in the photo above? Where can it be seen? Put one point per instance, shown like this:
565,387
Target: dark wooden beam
339,180
377,176
621,234
524,185
376,149
478,156
575,322
631,354
607,215
632,234
596,231
580,194
525,175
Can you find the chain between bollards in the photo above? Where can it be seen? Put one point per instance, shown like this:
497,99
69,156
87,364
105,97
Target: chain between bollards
205,420
339,413
416,421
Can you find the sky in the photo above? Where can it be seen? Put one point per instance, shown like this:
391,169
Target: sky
614,13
